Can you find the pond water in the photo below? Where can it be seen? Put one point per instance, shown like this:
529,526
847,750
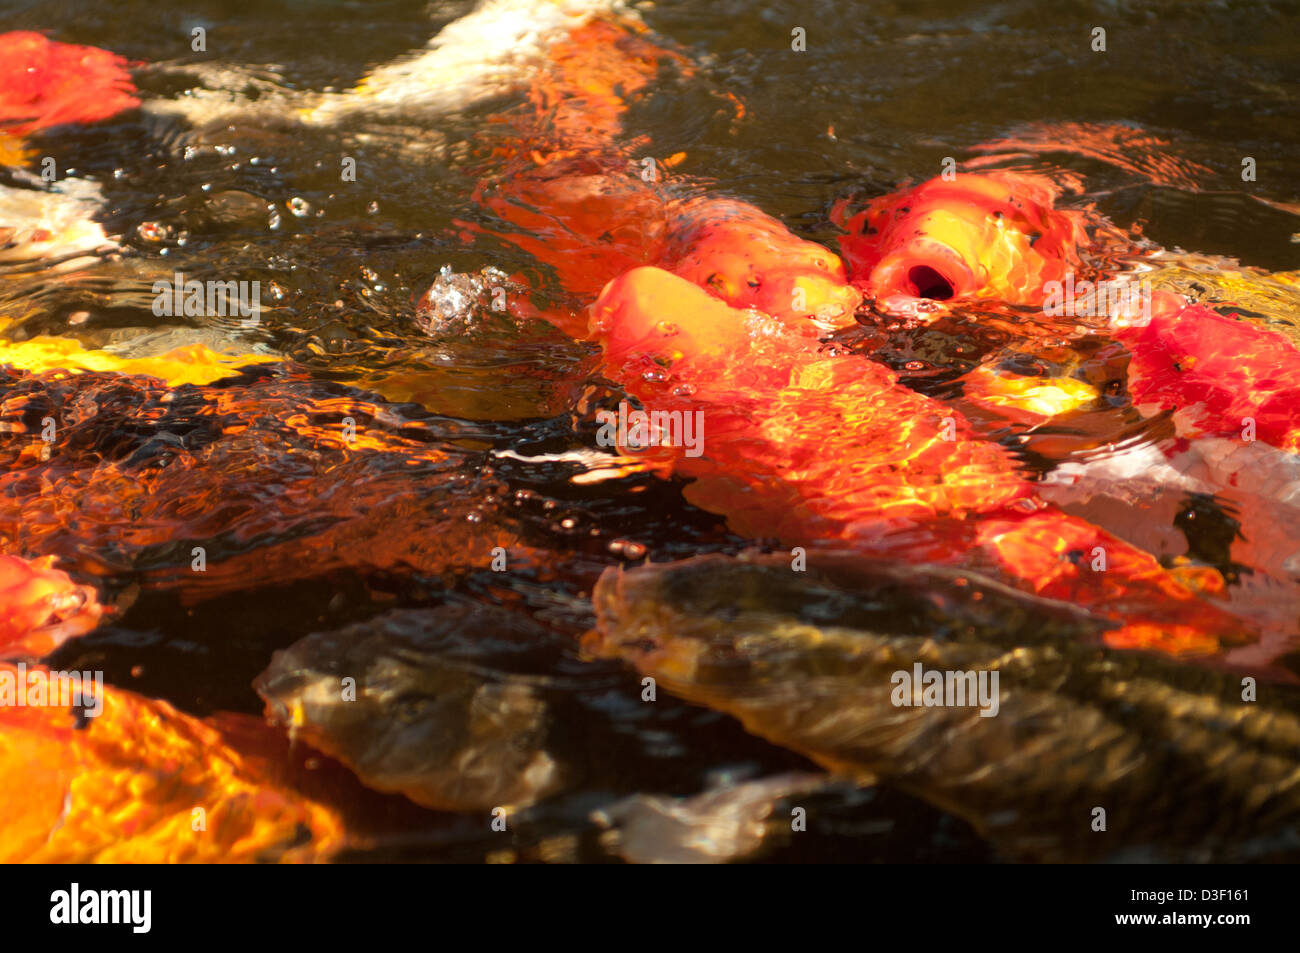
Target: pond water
472,438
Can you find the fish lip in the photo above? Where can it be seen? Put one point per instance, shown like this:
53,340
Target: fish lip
923,269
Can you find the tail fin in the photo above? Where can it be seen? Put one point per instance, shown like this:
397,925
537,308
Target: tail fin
491,52
495,50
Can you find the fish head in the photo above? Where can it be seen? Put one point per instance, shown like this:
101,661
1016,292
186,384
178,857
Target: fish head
41,607
978,235
751,260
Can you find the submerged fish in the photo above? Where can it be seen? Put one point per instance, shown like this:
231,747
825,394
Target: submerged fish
51,226
1180,766
45,83
40,607
491,52
406,701
141,782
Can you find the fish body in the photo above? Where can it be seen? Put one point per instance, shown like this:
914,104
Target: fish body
426,718
41,607
1181,768
141,782
45,83
1231,376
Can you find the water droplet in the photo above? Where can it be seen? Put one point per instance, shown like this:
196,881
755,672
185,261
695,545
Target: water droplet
627,549
683,390
667,328
655,376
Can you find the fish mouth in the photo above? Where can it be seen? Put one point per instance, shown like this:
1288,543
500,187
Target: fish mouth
923,269
929,283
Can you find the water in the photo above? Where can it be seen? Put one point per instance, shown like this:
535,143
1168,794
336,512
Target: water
477,430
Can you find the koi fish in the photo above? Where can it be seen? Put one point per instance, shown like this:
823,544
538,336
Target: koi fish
1225,374
812,661
54,227
45,83
41,607
464,737
140,782
493,51
987,235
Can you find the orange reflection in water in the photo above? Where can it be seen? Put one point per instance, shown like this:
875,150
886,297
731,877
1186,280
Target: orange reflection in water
276,477
1125,147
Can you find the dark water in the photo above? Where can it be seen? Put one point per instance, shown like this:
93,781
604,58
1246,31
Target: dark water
883,93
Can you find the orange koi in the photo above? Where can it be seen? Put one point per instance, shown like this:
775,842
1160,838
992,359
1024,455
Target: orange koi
978,235
45,83
41,607
140,782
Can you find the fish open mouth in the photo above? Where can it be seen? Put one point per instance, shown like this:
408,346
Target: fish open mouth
923,270
928,283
